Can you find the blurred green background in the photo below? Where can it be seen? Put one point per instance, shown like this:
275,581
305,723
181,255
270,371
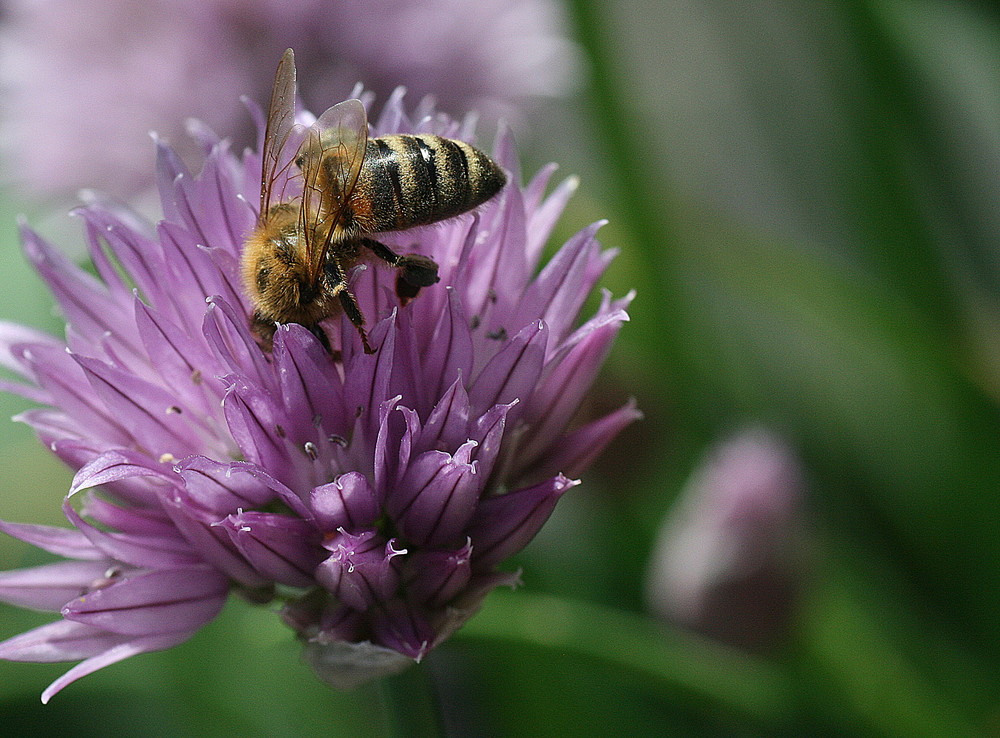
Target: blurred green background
806,199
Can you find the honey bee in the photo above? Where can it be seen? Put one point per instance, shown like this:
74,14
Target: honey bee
295,263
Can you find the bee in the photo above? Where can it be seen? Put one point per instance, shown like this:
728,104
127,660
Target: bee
296,262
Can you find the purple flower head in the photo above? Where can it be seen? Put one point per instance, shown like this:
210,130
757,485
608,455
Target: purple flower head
728,560
88,103
380,491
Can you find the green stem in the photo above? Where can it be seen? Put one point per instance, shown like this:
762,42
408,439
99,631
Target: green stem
411,705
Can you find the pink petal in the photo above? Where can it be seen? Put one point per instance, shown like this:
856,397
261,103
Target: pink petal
311,388
60,541
222,487
62,640
505,524
113,655
51,586
513,373
155,603
197,526
141,551
576,451
348,502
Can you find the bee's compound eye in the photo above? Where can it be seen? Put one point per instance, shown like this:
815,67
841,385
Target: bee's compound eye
263,278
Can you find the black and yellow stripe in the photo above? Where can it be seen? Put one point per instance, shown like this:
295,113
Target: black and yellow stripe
411,180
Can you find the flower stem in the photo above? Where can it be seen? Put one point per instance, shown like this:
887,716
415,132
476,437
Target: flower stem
411,704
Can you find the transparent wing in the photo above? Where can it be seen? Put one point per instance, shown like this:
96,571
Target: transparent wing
280,123
330,159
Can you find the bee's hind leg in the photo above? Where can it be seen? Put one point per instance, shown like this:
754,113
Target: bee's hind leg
415,270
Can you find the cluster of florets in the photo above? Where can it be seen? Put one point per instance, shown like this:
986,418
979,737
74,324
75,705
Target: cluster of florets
373,494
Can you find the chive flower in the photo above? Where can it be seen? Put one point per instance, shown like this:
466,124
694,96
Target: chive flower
373,496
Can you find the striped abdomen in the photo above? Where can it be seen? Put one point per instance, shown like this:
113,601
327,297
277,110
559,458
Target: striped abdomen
411,180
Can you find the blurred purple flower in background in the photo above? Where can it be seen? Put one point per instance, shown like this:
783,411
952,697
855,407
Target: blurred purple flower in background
85,80
727,563
374,496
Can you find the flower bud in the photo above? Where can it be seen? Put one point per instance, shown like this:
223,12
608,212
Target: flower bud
727,561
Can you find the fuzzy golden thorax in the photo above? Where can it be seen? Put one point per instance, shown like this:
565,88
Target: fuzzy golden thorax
277,275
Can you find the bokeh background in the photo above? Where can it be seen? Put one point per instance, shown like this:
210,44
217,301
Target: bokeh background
806,196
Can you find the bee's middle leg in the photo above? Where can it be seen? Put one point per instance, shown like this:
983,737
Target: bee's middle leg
415,270
335,274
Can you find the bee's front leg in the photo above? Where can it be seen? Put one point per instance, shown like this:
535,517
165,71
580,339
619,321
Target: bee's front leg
263,331
320,334
415,270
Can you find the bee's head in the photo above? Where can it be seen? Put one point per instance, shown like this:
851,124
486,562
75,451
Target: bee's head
279,281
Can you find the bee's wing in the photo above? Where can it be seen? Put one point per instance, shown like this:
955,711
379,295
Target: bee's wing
280,122
330,159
